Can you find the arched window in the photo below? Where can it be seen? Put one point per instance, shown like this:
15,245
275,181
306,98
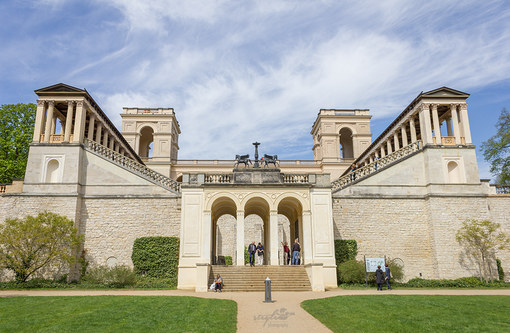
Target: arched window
453,172
146,142
346,147
52,171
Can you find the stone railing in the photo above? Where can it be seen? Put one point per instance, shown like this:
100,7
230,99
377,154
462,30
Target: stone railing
295,179
218,179
2,188
502,189
133,166
368,169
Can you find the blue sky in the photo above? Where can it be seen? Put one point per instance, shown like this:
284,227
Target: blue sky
240,71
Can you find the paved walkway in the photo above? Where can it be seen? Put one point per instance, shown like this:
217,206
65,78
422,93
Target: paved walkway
283,315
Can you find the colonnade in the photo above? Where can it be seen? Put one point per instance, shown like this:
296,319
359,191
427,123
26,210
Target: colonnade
80,120
423,122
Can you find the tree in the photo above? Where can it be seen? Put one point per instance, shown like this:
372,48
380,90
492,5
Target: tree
496,150
480,240
16,131
29,244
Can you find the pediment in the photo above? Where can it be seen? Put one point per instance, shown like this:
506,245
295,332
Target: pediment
445,92
60,88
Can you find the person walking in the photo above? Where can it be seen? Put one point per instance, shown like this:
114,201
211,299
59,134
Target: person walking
252,248
286,253
387,276
379,277
353,172
260,254
296,248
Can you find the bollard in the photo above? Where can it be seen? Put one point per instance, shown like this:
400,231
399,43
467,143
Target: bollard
268,291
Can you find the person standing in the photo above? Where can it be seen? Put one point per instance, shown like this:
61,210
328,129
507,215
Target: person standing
353,172
379,277
260,254
286,253
387,276
296,248
252,248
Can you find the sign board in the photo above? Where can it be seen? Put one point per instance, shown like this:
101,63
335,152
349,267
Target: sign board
372,263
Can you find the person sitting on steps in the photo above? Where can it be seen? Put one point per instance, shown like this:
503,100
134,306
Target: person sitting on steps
218,283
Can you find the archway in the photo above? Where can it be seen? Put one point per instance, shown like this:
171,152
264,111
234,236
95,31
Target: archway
52,169
146,142
292,209
453,172
256,214
346,145
223,233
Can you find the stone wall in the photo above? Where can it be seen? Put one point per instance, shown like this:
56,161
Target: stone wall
420,232
111,225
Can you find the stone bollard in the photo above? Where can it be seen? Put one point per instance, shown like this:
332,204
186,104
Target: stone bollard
268,291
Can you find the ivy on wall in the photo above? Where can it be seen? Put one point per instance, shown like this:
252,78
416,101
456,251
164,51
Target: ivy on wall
156,257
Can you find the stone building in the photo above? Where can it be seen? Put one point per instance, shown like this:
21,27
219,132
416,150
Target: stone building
413,187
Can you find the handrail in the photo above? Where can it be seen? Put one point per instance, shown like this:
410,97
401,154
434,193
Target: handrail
133,166
378,164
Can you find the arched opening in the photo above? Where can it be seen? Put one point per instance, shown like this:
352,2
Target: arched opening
52,171
146,142
346,146
292,211
223,213
453,172
256,226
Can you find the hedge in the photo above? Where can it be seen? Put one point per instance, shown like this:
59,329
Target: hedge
156,257
345,249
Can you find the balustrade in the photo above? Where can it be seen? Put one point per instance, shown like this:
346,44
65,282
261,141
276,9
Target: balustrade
502,189
218,179
132,165
370,168
295,179
3,188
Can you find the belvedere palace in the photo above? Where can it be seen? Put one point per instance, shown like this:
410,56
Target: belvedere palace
412,188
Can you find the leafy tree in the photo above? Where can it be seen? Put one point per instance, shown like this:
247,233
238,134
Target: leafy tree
480,240
496,150
29,244
16,131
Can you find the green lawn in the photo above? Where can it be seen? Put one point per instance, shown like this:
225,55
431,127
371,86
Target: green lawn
394,313
117,314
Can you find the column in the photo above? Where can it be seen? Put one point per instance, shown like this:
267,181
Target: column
455,121
449,126
69,120
412,127
112,141
403,130
382,151
307,241
53,126
395,141
79,122
425,127
105,138
92,119
273,237
388,146
240,238
49,121
98,133
465,123
39,121
437,128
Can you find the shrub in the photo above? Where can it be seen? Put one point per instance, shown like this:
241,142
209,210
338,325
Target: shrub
154,283
397,271
228,261
246,256
156,257
345,249
351,271
116,277
501,273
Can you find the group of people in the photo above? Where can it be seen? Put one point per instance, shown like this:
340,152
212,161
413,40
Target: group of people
258,251
382,276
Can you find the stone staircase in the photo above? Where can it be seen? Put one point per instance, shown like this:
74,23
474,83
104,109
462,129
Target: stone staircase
246,278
